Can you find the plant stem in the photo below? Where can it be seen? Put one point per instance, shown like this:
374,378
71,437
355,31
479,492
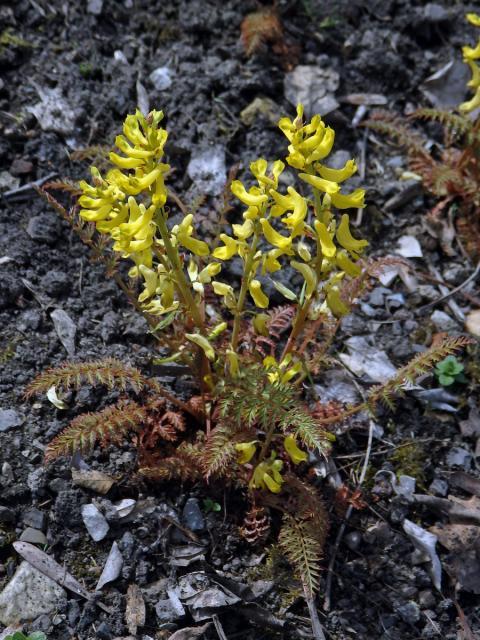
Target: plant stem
244,287
180,278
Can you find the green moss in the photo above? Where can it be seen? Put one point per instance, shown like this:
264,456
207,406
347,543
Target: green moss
9,39
409,460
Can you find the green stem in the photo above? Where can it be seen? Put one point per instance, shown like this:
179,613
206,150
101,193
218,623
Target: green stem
180,278
244,287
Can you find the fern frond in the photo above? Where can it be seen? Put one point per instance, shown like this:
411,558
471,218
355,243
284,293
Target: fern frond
299,542
66,185
219,452
110,425
308,504
307,429
109,372
259,28
280,319
455,125
422,363
183,465
395,127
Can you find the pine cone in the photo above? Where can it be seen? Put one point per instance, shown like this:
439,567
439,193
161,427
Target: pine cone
256,525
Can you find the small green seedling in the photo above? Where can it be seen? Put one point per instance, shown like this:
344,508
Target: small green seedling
449,370
210,505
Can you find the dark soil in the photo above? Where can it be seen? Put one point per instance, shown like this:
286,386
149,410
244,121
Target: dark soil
386,47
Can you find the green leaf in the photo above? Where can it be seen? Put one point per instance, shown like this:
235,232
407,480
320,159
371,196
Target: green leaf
165,322
446,380
37,635
285,291
211,505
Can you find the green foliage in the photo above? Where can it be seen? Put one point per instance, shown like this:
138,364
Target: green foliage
18,635
210,505
449,370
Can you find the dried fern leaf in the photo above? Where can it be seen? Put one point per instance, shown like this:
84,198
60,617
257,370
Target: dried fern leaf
109,372
219,452
259,28
110,425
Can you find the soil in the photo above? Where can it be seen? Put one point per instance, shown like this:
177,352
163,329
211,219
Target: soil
94,54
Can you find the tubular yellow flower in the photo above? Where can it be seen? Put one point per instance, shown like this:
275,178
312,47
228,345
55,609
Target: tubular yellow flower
356,199
335,303
345,238
233,363
320,183
270,262
296,454
246,451
151,279
259,322
345,264
228,251
337,175
267,475
309,276
251,198
275,238
225,290
243,231
326,243
203,343
259,298
474,19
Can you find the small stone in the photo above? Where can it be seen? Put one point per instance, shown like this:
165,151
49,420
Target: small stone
472,323
65,328
458,457
167,612
35,518
43,228
260,107
55,283
53,112
9,419
353,539
28,595
192,517
314,87
435,13
104,632
6,515
161,78
8,182
20,167
95,7
95,522
409,247
7,473
409,612
426,599
207,170
34,536
439,487
443,322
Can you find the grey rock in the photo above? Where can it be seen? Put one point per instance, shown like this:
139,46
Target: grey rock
36,481
207,170
161,78
28,595
409,612
30,319
65,328
35,518
446,87
6,515
7,181
104,632
34,536
9,419
314,87
426,599
364,358
55,283
167,612
95,522
435,13
439,487
43,228
353,540
112,568
95,7
443,322
459,457
377,296
7,474
53,112
192,517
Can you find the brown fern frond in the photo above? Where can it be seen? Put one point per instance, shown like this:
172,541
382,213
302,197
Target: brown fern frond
109,372
260,28
303,550
183,465
109,426
455,126
219,451
66,185
280,319
394,127
305,503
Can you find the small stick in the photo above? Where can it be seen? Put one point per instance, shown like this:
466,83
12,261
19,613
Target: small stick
316,625
19,193
341,531
183,529
447,295
219,628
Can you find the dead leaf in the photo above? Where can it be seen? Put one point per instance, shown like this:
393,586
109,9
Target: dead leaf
456,537
112,568
425,542
460,511
135,610
93,480
190,633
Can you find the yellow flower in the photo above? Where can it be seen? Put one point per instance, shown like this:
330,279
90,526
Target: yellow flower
259,298
309,276
266,475
320,183
252,198
246,451
345,264
356,199
296,454
282,372
326,243
243,231
203,343
228,251
474,19
183,233
225,290
275,238
345,238
335,303
337,175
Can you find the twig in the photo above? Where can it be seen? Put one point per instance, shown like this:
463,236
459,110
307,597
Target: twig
219,628
19,193
341,531
312,610
183,529
447,295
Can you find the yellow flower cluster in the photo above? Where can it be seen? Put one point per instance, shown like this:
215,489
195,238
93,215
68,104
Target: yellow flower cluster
470,56
266,475
278,227
128,204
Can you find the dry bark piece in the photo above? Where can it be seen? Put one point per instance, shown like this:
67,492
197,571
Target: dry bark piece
135,611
